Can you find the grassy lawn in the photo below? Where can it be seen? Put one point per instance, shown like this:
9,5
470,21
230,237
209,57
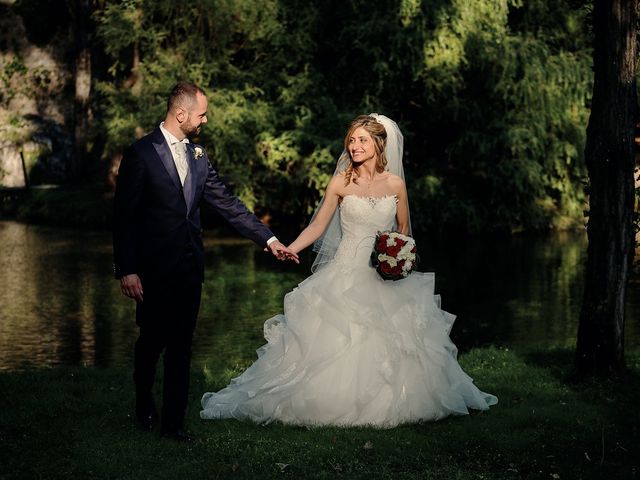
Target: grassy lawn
76,423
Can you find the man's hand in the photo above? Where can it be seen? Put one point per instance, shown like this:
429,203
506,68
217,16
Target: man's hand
131,286
281,252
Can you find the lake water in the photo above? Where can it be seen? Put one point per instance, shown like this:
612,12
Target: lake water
59,304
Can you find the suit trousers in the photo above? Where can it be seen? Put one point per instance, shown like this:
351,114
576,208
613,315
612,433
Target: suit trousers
167,320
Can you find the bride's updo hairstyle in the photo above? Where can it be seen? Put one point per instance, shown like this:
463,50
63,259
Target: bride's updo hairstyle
379,136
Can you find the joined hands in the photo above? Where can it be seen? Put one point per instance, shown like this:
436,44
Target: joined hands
281,252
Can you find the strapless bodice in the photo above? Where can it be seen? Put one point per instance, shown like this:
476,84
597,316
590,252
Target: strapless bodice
361,218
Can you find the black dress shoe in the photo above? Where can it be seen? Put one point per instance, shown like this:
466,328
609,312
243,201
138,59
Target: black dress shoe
179,435
147,420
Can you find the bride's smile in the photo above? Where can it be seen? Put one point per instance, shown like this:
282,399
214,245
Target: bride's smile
361,146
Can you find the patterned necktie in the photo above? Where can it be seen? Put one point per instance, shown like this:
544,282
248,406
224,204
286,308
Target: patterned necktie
180,153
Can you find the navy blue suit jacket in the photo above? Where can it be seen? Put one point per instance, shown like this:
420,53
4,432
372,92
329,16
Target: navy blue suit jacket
156,219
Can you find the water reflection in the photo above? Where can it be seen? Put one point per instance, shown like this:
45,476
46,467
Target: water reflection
55,305
524,291
60,305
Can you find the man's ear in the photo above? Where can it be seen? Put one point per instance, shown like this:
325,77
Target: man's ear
181,114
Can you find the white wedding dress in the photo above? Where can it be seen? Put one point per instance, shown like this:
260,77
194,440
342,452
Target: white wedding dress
352,348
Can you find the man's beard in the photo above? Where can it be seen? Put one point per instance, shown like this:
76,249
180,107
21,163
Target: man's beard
190,131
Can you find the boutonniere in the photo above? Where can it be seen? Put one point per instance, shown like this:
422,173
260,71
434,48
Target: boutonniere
198,152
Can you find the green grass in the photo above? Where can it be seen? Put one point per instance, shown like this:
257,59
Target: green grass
76,423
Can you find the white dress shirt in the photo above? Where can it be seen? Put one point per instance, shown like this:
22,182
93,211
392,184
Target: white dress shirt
178,152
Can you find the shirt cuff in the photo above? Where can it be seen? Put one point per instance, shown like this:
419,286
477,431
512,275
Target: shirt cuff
271,240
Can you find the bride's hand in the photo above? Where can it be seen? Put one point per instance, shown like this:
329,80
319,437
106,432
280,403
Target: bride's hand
283,253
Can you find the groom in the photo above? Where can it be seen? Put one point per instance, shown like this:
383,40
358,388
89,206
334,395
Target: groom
158,251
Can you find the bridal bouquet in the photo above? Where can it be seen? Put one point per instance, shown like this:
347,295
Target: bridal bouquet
394,255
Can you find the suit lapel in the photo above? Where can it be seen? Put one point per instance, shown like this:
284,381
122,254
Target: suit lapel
164,152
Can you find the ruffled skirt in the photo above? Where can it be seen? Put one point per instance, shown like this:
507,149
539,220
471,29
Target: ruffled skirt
353,349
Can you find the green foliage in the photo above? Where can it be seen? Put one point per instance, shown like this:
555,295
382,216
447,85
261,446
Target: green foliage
492,97
260,134
12,71
499,110
84,206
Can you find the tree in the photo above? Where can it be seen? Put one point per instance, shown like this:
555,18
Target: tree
491,96
609,156
80,11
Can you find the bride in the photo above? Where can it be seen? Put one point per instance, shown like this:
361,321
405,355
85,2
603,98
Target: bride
352,348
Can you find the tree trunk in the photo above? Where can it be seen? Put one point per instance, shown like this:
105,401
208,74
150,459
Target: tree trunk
134,76
609,156
82,16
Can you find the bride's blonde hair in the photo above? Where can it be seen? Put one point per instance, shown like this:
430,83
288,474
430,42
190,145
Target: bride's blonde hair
379,136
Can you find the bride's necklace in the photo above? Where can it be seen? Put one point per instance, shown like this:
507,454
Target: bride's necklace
369,182
371,199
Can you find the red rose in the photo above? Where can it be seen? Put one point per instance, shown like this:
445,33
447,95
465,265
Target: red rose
385,267
397,270
393,250
382,243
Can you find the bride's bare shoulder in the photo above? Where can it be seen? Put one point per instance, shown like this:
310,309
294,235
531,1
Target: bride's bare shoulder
337,179
336,184
394,180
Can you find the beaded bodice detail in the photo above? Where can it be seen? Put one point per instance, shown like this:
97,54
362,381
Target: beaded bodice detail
361,218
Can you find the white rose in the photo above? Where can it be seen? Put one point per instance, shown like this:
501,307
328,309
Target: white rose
386,258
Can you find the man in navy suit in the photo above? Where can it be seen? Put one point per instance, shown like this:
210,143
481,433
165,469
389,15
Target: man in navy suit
158,251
